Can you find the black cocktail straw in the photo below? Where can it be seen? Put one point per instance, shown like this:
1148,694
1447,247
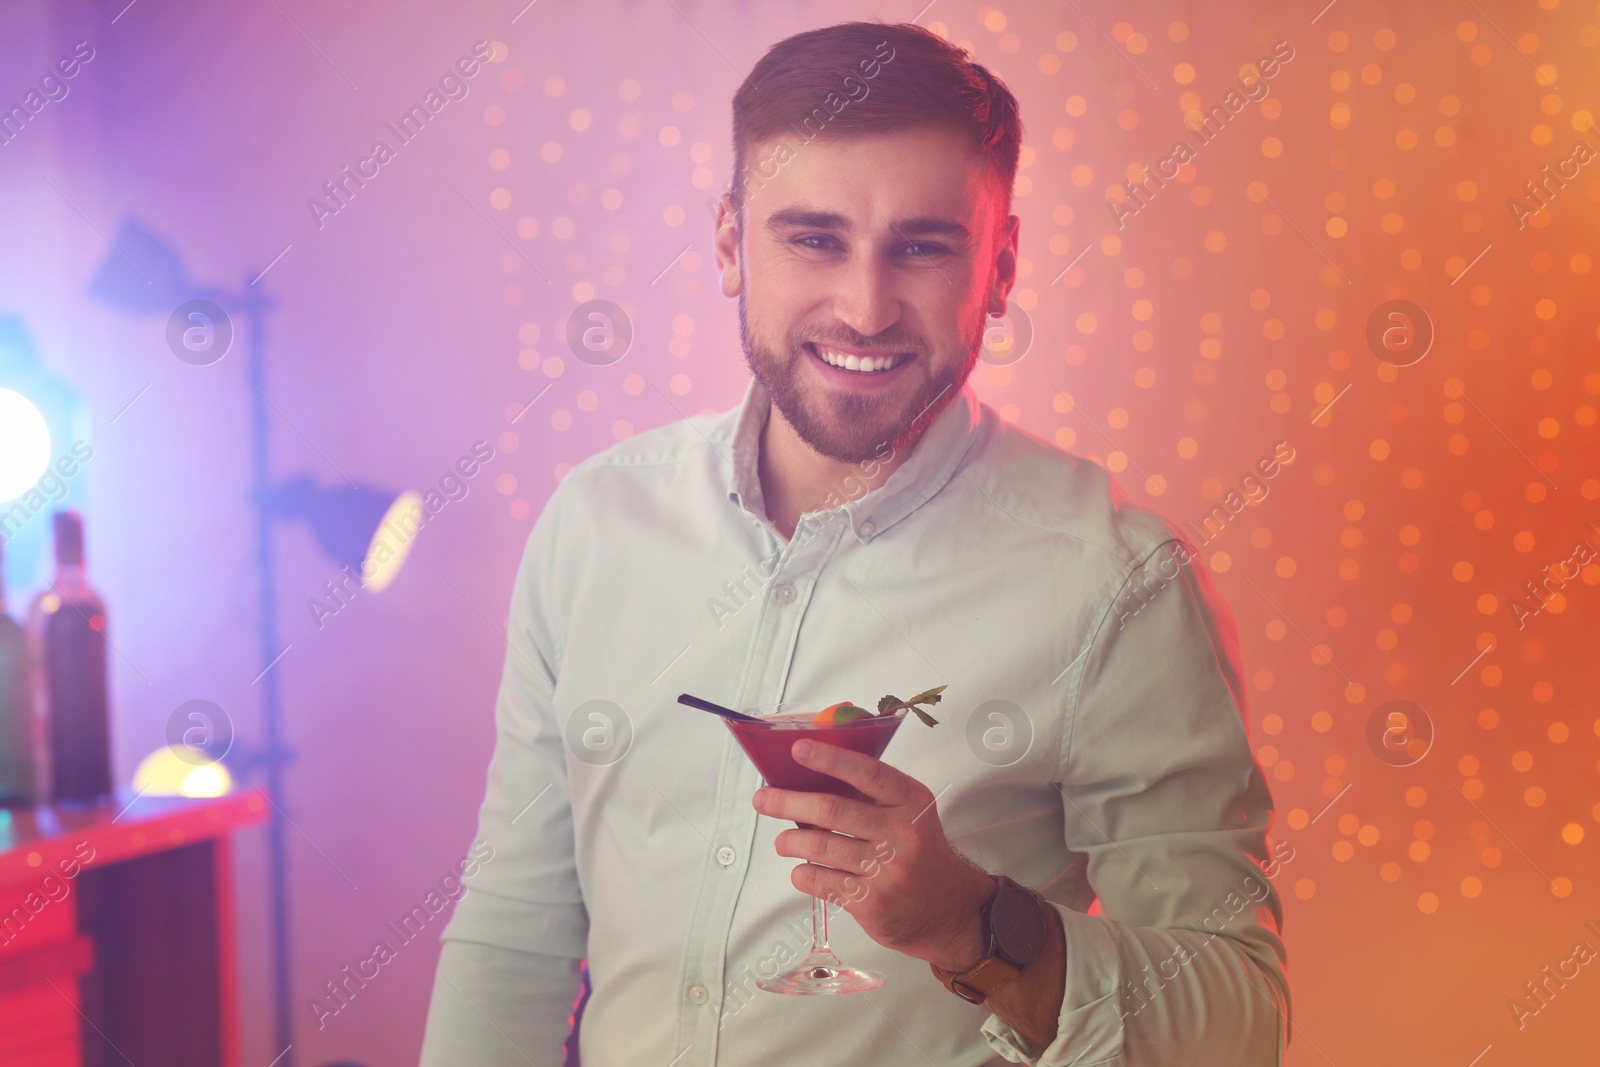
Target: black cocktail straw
715,709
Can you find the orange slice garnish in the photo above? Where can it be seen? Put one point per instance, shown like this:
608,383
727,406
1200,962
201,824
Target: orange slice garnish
838,714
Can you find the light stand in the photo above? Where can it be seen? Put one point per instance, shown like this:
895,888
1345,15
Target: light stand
162,289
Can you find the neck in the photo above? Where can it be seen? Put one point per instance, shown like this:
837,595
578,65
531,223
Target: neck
796,478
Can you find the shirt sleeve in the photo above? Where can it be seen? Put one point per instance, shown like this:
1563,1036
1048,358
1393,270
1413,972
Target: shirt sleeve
508,969
1164,798
470,1018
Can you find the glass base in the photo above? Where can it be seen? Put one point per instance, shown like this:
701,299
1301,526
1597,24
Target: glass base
821,973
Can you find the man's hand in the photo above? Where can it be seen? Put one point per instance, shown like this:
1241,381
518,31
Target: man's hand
894,872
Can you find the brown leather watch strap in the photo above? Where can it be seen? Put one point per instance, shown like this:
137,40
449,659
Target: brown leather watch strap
976,985
992,972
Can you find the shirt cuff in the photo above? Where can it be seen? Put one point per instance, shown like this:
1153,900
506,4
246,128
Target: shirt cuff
1090,1029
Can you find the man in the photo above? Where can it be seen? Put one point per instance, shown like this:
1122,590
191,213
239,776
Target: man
844,533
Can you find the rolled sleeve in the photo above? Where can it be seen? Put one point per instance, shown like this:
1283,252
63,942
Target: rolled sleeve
1163,795
1095,1025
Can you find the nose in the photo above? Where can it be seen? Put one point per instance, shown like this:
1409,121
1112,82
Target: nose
868,300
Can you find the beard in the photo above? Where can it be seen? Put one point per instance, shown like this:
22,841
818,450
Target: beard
854,427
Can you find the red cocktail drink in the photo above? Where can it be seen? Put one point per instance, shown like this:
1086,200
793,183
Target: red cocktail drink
769,744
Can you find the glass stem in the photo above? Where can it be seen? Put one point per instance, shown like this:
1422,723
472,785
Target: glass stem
819,926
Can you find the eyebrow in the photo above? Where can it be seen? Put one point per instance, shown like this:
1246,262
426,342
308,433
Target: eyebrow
921,226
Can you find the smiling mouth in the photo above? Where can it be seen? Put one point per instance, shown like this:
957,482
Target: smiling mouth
851,362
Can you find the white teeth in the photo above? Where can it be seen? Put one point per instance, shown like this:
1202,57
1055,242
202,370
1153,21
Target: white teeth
850,361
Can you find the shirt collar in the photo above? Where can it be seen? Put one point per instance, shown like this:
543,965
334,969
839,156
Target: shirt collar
935,455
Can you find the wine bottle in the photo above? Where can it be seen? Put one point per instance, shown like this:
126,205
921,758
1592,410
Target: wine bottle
18,782
69,624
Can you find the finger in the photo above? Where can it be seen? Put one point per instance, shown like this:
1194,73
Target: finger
841,853
836,887
873,777
825,810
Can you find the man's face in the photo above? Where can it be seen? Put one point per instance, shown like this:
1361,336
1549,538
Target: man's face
888,244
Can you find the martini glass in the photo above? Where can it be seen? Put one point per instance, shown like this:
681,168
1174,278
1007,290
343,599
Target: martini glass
769,745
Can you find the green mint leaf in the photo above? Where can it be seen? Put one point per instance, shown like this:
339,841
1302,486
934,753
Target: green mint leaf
890,704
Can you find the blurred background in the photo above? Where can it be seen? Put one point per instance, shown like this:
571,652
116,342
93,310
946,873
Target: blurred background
1379,261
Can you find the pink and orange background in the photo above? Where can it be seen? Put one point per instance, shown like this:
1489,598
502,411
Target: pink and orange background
1232,312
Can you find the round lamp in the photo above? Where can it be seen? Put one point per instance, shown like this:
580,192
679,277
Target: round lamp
24,444
164,773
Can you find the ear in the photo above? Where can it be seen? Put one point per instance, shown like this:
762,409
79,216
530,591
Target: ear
1004,274
725,245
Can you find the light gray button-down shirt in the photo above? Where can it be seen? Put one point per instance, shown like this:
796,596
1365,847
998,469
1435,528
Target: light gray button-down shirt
1092,744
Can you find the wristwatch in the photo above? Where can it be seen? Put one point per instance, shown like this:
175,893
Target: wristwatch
1014,931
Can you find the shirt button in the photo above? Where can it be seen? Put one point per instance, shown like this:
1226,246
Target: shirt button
868,527
725,855
785,592
698,994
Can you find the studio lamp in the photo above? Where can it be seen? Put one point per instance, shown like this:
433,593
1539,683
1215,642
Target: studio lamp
345,522
44,435
24,444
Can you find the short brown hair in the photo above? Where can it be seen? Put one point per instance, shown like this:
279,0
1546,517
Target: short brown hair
859,77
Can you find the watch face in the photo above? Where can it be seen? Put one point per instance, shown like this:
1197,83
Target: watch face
1018,924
